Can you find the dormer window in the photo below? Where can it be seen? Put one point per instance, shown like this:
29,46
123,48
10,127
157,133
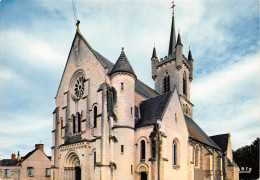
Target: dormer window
166,83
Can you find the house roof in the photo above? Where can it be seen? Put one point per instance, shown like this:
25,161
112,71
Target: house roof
221,140
27,156
153,109
198,134
8,162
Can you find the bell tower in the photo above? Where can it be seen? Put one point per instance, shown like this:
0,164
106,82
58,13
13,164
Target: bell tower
175,70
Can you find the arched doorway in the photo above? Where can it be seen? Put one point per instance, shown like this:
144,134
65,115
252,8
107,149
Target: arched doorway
142,171
72,168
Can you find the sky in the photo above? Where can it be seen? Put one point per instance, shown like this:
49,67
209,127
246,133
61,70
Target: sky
36,36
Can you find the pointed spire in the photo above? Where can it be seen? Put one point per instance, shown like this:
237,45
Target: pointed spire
154,53
172,42
179,40
190,55
122,65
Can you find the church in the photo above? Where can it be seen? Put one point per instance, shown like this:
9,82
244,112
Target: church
109,125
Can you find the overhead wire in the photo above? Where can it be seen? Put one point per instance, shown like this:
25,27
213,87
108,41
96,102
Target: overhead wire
74,6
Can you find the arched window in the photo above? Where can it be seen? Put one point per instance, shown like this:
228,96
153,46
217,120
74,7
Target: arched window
175,153
197,156
79,123
95,116
184,84
142,152
166,83
74,124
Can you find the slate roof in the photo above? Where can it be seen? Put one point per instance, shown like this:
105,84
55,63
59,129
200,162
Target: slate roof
145,90
122,65
8,162
153,109
221,140
198,134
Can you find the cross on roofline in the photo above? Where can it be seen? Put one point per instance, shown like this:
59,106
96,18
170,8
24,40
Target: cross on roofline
173,5
77,24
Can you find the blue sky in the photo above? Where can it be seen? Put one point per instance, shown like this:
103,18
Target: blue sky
36,35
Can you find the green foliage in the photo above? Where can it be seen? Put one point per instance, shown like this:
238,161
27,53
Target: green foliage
248,156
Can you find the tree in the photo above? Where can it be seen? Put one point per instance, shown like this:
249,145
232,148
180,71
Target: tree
248,156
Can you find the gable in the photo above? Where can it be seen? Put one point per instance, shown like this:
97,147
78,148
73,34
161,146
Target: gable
36,154
79,45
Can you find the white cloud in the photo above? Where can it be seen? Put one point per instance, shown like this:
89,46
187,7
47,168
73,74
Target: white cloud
234,79
229,100
30,49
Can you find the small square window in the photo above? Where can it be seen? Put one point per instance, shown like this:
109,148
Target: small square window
30,171
122,148
47,172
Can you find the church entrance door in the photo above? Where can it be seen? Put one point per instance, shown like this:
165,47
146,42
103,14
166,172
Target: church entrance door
77,173
143,176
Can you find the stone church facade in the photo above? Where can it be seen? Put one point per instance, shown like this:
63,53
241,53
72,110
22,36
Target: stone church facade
107,124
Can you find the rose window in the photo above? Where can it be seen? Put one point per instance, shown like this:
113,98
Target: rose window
79,87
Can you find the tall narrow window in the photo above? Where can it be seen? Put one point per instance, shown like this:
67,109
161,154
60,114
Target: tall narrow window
142,150
74,124
79,122
95,116
184,84
95,159
122,148
166,83
122,86
197,153
61,126
175,153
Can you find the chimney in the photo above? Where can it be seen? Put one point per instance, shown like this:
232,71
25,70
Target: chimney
39,146
13,156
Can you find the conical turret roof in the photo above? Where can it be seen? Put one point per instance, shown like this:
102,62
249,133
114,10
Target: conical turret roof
179,40
154,53
190,55
122,65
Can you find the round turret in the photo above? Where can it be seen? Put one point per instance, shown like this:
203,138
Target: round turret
123,80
